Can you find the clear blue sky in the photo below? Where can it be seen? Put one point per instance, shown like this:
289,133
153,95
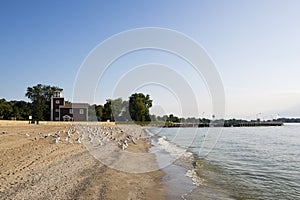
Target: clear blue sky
255,45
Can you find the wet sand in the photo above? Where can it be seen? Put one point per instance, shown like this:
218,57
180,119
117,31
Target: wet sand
34,165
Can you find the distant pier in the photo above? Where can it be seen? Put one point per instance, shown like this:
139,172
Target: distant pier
226,124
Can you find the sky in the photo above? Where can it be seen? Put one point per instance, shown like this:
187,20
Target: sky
254,44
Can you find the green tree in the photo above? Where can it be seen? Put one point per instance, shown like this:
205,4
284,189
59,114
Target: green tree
173,118
192,120
40,95
107,111
116,108
21,109
165,118
139,106
125,115
99,112
5,109
153,118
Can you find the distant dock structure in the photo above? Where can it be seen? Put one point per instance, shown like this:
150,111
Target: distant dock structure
225,124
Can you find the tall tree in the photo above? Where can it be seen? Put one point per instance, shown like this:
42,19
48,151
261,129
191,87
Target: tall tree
139,106
99,112
125,115
40,95
107,111
116,108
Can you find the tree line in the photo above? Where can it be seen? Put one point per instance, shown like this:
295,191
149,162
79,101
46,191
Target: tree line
15,109
136,108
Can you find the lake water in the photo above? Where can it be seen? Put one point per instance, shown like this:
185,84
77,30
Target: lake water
231,163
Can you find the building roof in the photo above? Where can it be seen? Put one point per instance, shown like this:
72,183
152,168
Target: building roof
75,105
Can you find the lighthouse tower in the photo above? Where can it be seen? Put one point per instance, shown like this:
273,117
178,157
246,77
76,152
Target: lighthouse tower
57,100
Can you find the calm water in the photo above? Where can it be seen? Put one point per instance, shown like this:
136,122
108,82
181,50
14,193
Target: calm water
242,163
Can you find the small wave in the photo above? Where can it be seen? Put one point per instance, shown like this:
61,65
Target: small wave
174,150
185,158
195,178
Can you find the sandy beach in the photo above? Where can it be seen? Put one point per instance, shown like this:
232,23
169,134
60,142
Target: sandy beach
47,161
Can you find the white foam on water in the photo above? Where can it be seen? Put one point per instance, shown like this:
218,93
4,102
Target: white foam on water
195,178
176,162
174,150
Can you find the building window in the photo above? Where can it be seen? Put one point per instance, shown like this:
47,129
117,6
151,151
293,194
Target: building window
81,111
57,102
56,110
71,111
57,118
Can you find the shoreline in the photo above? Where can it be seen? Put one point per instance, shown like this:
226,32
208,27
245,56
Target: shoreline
185,172
180,178
34,166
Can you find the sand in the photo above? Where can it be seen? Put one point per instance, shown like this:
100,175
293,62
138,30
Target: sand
34,166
